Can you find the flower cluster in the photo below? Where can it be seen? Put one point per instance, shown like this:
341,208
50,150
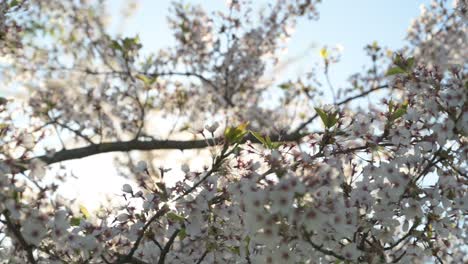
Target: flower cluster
383,185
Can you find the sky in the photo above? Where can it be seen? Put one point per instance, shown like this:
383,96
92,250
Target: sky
352,24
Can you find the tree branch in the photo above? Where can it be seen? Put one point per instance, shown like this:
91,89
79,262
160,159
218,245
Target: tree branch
202,257
124,146
322,249
167,247
130,254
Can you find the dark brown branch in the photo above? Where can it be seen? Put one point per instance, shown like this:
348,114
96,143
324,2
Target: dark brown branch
403,238
321,249
124,146
167,247
132,260
202,257
129,256
76,132
397,259
156,243
216,164
157,74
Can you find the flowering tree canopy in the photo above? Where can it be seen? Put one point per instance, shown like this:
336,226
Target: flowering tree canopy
289,179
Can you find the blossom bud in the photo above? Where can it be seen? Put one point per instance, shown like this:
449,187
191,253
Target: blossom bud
127,188
212,128
142,166
122,217
28,141
185,168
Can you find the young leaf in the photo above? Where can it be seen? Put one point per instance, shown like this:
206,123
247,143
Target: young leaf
394,71
390,106
396,111
84,211
182,234
75,221
332,119
235,134
259,137
323,115
145,79
410,63
14,3
275,145
175,217
116,45
234,250
324,53
399,112
268,141
285,86
16,196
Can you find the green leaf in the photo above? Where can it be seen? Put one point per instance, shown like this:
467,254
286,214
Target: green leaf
323,115
399,112
329,119
285,86
182,234
84,211
275,145
145,79
324,53
75,221
259,137
16,196
14,3
236,134
399,61
175,217
394,71
130,43
429,230
116,45
410,63
332,119
390,106
268,140
235,250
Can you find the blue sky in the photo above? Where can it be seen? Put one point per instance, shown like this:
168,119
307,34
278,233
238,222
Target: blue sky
352,24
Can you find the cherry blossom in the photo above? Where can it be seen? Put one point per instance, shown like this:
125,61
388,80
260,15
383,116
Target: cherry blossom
299,180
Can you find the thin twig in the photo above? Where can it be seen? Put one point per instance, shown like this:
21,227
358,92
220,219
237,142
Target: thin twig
159,214
167,247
